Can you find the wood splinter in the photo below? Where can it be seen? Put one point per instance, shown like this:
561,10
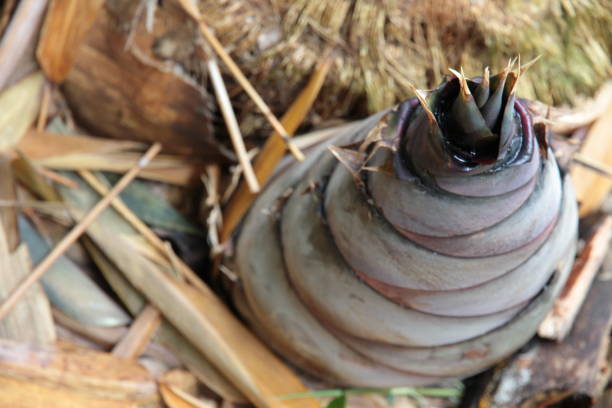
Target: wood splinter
560,319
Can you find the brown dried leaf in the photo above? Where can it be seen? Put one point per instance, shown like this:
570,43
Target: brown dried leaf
182,379
121,92
31,319
139,334
65,26
28,175
174,397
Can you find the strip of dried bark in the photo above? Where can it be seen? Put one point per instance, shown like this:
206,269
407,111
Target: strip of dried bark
561,317
575,368
139,334
27,394
72,368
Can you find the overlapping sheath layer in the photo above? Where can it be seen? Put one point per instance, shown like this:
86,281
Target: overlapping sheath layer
435,254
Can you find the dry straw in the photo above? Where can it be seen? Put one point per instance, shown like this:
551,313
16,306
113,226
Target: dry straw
383,44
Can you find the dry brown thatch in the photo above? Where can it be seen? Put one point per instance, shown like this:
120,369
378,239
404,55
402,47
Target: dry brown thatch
381,45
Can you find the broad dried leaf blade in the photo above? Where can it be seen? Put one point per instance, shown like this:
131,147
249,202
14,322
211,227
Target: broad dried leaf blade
70,289
166,334
200,317
153,209
31,319
19,106
65,27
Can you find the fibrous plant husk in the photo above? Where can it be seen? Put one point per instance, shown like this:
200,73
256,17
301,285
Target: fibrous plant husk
381,44
118,90
378,46
420,244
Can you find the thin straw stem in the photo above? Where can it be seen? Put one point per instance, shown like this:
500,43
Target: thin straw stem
76,232
232,126
593,164
145,231
193,11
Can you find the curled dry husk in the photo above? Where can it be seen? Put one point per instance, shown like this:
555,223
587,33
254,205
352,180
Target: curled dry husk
422,243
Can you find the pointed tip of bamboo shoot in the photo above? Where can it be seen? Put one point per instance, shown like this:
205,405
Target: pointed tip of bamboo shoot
455,73
485,77
421,96
529,64
352,160
511,63
465,90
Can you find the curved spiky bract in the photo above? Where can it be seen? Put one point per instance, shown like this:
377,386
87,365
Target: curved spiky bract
426,243
473,120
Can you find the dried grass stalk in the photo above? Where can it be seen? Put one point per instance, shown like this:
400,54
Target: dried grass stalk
200,316
382,45
193,11
75,233
167,334
274,149
232,126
